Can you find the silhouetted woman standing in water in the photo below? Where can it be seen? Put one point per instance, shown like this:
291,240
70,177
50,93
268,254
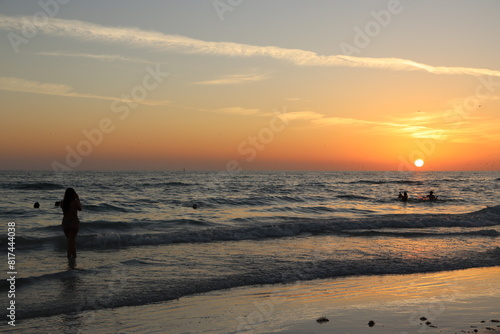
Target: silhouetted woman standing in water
70,223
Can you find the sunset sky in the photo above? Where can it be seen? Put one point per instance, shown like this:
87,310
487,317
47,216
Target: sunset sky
250,84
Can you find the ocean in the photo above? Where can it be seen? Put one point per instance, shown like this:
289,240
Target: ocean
155,237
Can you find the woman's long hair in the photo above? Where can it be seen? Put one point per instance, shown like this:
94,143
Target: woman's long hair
69,195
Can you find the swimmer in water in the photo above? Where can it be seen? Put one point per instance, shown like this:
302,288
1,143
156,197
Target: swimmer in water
431,196
403,197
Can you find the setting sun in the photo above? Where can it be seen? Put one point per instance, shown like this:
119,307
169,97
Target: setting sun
419,162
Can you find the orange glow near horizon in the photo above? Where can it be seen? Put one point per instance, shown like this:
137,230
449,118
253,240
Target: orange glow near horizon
211,142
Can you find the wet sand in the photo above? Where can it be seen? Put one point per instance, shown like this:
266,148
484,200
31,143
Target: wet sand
464,301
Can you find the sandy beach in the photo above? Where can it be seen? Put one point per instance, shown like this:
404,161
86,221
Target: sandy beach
464,301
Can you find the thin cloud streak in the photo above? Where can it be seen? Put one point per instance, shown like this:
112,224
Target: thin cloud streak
25,86
383,127
155,40
240,111
102,57
234,79
302,115
20,85
439,132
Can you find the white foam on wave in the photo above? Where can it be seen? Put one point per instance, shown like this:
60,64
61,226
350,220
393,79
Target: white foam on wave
138,235
483,218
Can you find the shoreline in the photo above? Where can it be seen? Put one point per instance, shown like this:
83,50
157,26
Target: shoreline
451,301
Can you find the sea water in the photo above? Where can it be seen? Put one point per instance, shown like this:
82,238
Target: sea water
150,237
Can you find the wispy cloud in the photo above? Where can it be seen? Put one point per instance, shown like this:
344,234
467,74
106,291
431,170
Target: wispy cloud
423,132
329,120
101,57
135,37
473,129
34,87
424,126
420,118
405,127
320,119
235,79
240,111
302,115
475,132
26,86
287,116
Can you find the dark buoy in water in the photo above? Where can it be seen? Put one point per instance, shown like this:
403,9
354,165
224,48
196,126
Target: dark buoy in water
36,205
195,206
371,323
